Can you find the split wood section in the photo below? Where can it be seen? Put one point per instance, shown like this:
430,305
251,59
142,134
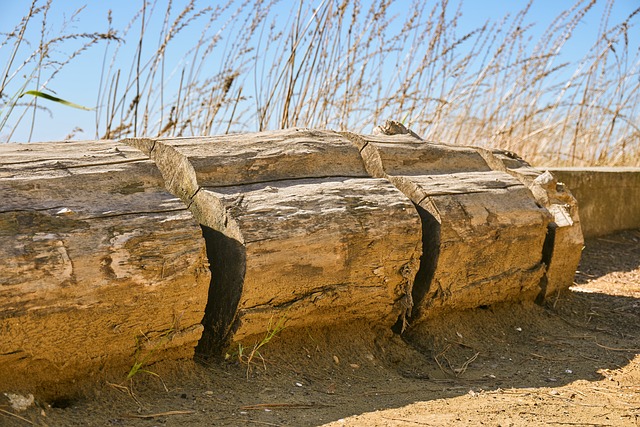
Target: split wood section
323,227
296,229
494,228
99,265
102,256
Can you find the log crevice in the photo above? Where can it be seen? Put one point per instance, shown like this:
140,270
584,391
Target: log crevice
227,263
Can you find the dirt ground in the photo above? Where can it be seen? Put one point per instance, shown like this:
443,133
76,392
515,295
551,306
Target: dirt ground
574,362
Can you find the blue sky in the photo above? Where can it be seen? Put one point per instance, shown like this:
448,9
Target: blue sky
78,82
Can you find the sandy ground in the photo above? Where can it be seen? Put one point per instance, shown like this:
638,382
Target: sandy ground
574,362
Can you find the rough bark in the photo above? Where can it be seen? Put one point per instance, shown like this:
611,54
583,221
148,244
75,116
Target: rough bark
99,264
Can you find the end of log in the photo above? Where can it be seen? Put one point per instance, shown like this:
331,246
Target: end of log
91,243
485,234
564,240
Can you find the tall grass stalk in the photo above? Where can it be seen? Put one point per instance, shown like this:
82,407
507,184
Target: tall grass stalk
349,65
35,69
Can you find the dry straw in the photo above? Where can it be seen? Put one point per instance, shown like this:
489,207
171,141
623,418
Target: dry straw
348,65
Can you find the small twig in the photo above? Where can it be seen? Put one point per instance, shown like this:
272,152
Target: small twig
616,349
264,423
410,391
405,420
440,355
465,365
259,406
553,359
581,424
160,414
127,390
522,392
15,415
609,241
119,387
593,359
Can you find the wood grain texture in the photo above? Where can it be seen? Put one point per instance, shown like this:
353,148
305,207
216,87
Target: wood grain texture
564,241
483,231
325,251
113,250
309,235
97,262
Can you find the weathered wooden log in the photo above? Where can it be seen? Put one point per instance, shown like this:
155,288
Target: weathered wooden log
484,231
99,264
490,232
564,240
296,229
110,250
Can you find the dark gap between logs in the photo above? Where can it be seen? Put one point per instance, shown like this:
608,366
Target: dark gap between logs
227,262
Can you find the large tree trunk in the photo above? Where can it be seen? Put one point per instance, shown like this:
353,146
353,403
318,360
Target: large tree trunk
116,251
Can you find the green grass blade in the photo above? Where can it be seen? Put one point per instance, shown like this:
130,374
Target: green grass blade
54,99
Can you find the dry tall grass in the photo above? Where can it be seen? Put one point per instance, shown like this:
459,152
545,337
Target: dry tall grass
347,64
